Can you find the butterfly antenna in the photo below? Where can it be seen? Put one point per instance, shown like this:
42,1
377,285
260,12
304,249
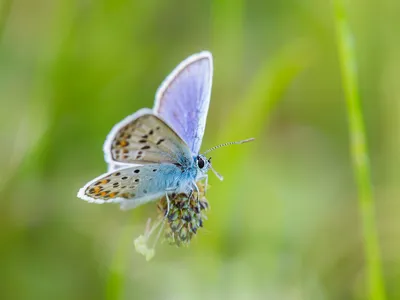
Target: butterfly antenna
227,144
220,177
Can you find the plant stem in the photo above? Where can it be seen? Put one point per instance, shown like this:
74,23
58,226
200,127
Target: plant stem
359,151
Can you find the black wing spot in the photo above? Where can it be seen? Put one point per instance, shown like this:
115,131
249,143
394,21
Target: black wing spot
137,180
117,174
136,171
145,147
160,141
151,132
124,178
154,170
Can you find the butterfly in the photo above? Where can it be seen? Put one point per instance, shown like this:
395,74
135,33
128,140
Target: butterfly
155,152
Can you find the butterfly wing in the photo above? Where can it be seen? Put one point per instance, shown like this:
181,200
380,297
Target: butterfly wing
132,186
184,97
144,138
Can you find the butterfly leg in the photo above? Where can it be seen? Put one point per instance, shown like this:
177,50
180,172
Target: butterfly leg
205,178
194,188
205,184
197,194
190,193
168,204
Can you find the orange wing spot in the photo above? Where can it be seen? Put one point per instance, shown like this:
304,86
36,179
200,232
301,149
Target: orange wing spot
96,189
123,143
105,181
112,195
125,195
103,194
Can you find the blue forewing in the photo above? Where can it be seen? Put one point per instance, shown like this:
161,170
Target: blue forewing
184,97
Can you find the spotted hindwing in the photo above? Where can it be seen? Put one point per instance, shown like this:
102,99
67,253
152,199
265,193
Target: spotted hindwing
138,184
145,138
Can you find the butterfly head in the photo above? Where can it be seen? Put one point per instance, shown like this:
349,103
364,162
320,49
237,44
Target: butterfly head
203,165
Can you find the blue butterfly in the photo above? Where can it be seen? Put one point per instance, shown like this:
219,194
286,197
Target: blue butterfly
153,153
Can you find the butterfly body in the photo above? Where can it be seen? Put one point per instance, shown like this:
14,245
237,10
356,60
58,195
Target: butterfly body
154,152
133,184
147,160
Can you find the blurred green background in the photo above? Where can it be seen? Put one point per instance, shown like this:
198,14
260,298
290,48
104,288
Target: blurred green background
283,225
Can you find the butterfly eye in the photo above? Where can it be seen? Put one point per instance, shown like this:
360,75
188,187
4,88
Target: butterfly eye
200,162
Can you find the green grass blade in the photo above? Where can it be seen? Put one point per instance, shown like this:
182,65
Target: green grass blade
359,151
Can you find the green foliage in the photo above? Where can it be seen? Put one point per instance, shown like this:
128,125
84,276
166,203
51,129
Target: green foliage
284,223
